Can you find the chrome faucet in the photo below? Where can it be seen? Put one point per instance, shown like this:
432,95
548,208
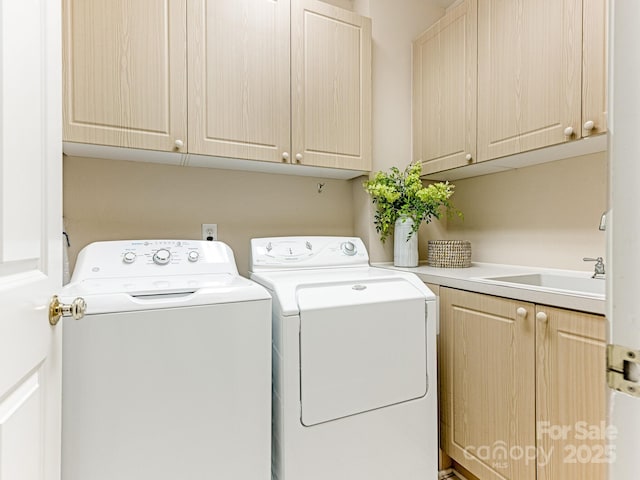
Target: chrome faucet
599,266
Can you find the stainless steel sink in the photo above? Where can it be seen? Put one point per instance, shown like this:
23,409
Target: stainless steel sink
554,282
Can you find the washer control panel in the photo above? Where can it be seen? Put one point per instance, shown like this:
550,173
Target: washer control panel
307,252
154,257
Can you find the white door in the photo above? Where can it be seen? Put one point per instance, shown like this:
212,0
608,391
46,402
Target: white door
30,238
624,225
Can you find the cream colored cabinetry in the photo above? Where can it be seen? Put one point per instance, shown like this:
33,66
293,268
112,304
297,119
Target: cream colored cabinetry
523,388
125,74
541,81
330,86
529,80
239,78
571,399
488,382
594,67
444,91
277,81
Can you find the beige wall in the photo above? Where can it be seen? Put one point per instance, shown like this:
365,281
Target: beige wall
109,200
546,215
393,30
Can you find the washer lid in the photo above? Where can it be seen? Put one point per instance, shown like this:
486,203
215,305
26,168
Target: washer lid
131,275
362,347
146,293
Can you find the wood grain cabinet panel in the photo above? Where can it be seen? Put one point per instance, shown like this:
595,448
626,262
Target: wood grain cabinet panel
490,382
125,76
523,389
519,76
239,104
331,86
571,395
594,67
277,81
529,74
444,91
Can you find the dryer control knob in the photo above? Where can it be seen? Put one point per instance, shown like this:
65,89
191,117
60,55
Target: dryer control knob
129,257
193,256
349,248
162,256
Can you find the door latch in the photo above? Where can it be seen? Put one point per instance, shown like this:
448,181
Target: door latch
623,367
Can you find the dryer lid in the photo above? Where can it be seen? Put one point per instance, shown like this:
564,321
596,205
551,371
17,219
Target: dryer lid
362,347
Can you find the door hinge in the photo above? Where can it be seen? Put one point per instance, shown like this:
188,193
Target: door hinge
622,366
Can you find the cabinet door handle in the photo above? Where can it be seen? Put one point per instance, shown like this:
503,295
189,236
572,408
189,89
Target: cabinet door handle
568,131
468,157
588,126
179,144
542,317
521,312
298,157
285,156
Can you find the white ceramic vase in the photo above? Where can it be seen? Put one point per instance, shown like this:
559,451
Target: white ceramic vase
405,252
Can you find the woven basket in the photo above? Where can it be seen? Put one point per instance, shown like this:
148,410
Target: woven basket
449,253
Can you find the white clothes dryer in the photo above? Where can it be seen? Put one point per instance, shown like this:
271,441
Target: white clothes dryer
354,363
168,376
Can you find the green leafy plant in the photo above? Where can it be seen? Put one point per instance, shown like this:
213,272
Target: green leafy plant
398,194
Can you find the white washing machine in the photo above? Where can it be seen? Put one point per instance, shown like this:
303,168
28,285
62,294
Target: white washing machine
168,375
354,363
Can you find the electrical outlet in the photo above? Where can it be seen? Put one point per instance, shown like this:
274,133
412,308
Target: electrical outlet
210,231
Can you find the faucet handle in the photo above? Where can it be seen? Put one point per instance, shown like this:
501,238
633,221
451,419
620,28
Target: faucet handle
599,267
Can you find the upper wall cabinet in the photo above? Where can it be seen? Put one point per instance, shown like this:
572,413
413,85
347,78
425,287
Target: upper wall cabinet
249,99
239,78
594,67
285,81
331,86
529,74
444,91
125,73
541,82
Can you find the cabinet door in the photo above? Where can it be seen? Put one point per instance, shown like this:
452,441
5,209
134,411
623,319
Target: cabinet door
444,91
125,81
239,103
594,67
489,359
571,395
529,74
331,86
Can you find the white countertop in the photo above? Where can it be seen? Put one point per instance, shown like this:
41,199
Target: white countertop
472,279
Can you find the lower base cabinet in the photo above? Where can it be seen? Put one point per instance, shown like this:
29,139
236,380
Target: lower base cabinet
523,389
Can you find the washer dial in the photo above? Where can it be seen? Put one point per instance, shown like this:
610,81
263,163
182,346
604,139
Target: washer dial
162,256
129,257
193,256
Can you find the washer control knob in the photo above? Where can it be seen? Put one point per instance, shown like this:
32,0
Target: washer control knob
129,257
193,256
348,248
162,256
